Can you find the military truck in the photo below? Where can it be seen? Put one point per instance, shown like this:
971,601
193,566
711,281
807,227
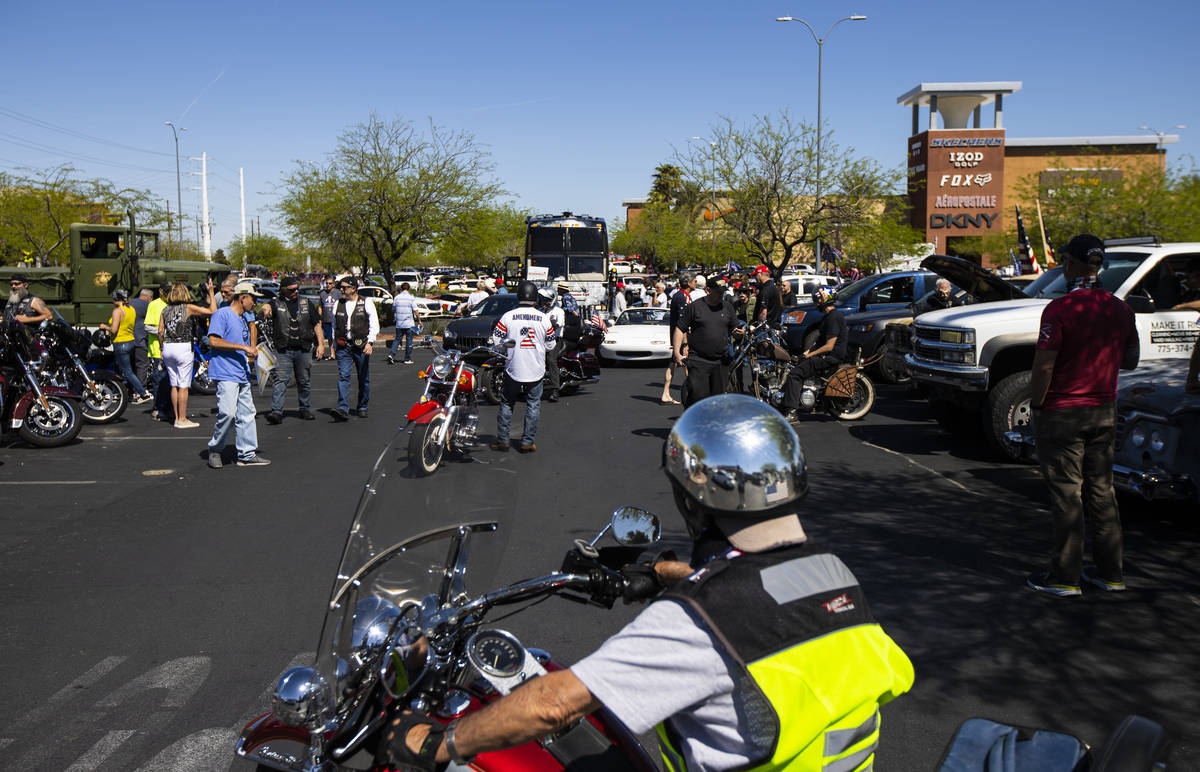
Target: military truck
105,258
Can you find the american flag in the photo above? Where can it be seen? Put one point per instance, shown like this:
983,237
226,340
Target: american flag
1024,248
598,322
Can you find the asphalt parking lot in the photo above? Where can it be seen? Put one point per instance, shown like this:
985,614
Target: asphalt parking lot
150,602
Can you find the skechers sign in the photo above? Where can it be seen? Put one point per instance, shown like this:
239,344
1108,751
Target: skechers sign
956,181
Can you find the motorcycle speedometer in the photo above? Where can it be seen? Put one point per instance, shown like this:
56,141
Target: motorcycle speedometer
441,367
497,653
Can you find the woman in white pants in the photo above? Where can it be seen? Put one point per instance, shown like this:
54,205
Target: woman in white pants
175,332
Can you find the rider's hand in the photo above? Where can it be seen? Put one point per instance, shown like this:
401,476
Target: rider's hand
641,582
412,743
678,358
367,349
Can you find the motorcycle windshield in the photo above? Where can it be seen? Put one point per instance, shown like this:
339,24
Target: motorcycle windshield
408,546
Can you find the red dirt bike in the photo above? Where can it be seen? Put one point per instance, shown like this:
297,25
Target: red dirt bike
404,628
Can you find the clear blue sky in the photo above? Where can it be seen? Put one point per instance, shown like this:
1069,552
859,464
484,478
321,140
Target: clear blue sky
577,102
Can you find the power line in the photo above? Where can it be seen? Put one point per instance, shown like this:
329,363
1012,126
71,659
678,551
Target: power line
29,145
72,133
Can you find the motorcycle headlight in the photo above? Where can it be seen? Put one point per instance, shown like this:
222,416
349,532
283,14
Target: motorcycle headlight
301,698
1137,437
441,366
1156,442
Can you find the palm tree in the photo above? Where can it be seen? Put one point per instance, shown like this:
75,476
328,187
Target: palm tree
667,185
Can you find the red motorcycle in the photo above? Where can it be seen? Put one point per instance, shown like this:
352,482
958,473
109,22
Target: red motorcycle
404,628
43,414
446,415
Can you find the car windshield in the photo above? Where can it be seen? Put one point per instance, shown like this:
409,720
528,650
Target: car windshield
853,287
1116,269
644,316
495,305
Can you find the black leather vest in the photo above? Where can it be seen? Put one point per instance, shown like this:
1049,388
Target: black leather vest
360,326
292,331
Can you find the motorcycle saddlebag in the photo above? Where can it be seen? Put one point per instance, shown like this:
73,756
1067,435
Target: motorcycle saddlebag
981,744
841,383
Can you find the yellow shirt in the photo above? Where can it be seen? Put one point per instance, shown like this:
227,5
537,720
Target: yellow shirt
125,331
153,317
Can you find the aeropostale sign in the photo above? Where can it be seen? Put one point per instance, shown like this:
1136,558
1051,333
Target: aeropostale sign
956,181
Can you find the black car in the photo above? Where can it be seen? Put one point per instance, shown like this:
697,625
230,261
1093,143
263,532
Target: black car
475,329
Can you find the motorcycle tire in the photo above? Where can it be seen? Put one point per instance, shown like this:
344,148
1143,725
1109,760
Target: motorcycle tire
493,385
59,426
201,383
108,401
858,404
424,452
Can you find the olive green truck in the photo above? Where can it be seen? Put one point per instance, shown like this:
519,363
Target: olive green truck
105,258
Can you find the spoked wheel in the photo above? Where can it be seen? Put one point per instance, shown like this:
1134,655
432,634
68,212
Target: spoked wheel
201,383
857,404
106,400
424,450
49,428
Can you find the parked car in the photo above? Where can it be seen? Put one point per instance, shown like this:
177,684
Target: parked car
804,284
435,308
1152,459
383,303
886,290
475,329
638,335
411,278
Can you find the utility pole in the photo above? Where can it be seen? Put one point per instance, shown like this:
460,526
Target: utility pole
206,229
169,234
242,190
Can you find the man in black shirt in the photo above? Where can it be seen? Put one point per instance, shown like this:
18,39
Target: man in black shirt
826,354
296,324
769,305
708,323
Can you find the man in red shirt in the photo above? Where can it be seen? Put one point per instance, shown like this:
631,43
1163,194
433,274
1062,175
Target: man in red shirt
1086,337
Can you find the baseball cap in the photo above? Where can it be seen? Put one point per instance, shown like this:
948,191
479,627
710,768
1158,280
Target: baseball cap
19,277
288,281
246,288
716,284
760,269
1084,248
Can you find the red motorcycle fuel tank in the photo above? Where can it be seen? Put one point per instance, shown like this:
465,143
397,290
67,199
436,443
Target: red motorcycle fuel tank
424,411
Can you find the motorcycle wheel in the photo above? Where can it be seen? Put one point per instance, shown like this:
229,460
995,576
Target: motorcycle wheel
493,385
57,426
108,401
424,451
858,404
201,383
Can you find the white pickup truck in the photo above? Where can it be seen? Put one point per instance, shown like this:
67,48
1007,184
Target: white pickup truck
977,359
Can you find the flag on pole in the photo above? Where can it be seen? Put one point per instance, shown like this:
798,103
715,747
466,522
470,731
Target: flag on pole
1016,264
1029,262
1045,239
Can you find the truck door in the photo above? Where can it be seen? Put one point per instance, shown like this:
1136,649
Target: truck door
889,293
1164,333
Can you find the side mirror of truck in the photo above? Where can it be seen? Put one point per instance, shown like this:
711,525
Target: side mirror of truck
1140,304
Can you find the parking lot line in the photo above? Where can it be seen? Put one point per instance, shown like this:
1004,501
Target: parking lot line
919,465
49,482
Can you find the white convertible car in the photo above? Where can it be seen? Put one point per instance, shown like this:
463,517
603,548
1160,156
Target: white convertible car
638,335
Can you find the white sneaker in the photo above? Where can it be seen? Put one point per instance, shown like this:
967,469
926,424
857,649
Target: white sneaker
186,424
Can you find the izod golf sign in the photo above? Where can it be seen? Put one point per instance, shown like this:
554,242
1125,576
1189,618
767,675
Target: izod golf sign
956,181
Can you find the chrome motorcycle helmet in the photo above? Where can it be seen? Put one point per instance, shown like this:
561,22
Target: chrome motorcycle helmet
736,464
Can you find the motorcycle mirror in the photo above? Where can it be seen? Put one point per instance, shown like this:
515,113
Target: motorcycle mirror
635,527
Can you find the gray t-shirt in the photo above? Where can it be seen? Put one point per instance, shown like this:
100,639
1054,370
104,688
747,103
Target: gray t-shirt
663,664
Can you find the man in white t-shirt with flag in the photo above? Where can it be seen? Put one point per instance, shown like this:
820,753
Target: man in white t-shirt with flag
534,333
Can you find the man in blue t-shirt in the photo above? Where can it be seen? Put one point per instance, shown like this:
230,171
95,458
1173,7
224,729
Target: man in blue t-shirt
233,354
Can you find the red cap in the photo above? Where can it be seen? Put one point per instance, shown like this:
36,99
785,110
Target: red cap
760,269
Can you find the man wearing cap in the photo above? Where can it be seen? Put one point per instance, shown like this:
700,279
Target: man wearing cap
761,653
569,303
140,354
355,328
1085,338
769,305
707,323
297,324
233,355
22,306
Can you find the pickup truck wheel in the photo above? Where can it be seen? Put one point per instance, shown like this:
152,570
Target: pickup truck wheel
1008,410
889,374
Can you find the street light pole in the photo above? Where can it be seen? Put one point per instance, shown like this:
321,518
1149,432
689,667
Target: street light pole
1161,134
178,185
820,41
712,157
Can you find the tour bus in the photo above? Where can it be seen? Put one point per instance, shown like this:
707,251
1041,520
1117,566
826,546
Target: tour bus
564,247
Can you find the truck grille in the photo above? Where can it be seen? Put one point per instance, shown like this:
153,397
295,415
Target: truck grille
466,344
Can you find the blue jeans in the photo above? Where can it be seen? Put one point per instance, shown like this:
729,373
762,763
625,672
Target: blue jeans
509,394
327,328
348,359
235,407
160,387
292,361
123,351
408,333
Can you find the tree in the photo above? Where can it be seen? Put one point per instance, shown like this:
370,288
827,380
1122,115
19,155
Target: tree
766,173
388,192
875,241
269,251
1114,200
37,209
488,234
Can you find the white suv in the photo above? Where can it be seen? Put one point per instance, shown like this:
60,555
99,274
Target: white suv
979,358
